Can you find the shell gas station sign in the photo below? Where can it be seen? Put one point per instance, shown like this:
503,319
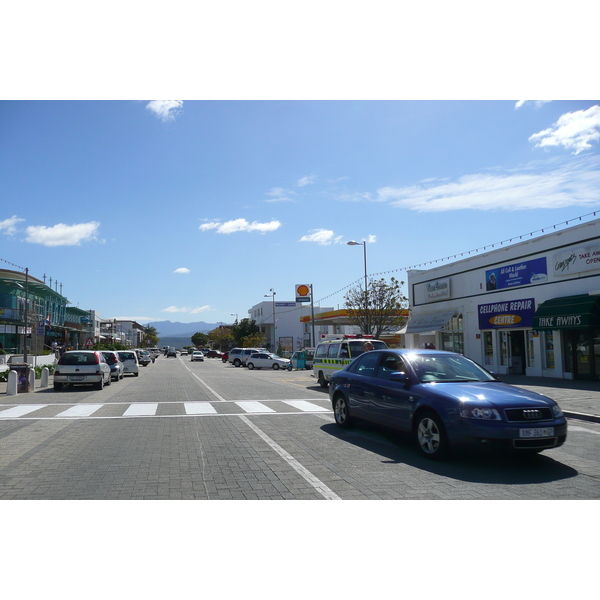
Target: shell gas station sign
302,293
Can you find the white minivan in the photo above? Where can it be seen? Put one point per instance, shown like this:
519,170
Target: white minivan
130,361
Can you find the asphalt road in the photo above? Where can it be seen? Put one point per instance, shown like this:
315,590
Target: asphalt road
191,430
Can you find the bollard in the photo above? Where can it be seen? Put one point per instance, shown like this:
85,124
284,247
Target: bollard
32,380
11,386
45,374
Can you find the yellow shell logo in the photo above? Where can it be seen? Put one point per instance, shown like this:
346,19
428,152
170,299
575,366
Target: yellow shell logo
302,290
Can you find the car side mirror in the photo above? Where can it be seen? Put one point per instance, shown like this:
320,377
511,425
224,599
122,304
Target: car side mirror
399,376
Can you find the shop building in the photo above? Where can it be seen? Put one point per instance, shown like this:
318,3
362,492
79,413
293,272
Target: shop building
531,307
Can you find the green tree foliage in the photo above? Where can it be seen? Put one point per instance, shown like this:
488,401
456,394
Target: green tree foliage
243,329
200,340
150,337
382,308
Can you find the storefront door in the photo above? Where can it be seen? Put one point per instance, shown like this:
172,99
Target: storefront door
582,352
517,352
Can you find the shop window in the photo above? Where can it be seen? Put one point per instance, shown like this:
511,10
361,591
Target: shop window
530,349
549,350
504,347
488,348
452,337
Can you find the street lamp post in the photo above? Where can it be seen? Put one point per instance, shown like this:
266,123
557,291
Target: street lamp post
364,245
236,316
272,295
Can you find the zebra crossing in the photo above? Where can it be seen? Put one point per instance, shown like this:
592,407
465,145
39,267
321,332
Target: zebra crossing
124,410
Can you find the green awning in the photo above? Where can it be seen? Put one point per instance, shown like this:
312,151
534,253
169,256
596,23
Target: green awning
569,312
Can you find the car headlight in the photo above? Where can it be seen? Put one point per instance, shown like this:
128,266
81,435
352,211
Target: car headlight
556,411
487,414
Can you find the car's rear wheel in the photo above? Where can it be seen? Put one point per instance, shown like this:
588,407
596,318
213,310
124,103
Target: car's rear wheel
237,362
341,412
100,384
136,374
250,366
58,387
275,367
431,436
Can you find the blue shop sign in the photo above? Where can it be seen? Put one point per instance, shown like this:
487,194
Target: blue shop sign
502,315
523,273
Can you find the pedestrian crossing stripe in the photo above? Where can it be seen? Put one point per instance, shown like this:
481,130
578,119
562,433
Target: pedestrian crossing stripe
167,409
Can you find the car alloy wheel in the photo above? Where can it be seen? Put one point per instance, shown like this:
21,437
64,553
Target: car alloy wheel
276,366
341,412
431,436
250,366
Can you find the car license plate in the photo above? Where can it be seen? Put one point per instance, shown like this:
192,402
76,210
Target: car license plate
76,378
537,432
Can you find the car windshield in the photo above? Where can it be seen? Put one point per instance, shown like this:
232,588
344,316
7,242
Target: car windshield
446,368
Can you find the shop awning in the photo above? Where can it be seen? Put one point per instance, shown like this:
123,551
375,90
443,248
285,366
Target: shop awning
429,321
568,312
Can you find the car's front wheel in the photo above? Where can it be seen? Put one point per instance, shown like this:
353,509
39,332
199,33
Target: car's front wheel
250,366
275,367
431,436
341,412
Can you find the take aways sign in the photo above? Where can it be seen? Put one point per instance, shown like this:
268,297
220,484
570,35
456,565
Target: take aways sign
512,313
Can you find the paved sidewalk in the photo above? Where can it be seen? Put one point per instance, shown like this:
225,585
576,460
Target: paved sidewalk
577,399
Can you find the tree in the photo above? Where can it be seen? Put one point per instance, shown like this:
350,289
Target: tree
245,328
221,337
150,337
382,308
200,340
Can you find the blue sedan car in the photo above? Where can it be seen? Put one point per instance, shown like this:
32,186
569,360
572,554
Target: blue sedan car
444,400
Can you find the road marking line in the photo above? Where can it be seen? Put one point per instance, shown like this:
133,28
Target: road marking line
80,410
199,408
204,384
319,486
571,428
306,406
254,407
18,411
141,410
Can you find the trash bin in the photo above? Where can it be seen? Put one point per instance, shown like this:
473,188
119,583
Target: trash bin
22,370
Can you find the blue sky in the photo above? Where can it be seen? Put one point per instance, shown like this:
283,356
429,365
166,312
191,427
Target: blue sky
194,210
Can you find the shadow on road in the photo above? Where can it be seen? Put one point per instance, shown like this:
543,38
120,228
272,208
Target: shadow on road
475,467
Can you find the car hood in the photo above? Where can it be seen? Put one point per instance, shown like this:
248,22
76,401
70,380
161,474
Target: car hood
492,393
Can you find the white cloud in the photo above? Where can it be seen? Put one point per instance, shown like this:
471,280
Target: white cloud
62,235
8,226
165,109
536,103
572,130
186,309
181,270
279,195
371,239
573,184
324,237
240,225
310,179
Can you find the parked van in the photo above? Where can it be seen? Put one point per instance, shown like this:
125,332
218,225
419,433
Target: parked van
336,351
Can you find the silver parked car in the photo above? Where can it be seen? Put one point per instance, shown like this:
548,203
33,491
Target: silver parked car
82,367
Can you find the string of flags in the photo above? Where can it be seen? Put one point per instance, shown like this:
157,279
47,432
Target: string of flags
466,253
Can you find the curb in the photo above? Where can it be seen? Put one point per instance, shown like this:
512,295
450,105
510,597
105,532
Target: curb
581,416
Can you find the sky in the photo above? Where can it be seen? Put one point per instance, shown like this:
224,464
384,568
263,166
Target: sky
299,130
194,210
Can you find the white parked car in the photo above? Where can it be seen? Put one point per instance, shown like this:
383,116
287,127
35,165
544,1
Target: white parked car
260,360
130,361
82,367
197,355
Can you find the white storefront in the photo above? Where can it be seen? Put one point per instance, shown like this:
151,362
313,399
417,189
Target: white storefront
532,307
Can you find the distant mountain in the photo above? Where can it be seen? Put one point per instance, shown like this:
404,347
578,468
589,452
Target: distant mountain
170,329
167,329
